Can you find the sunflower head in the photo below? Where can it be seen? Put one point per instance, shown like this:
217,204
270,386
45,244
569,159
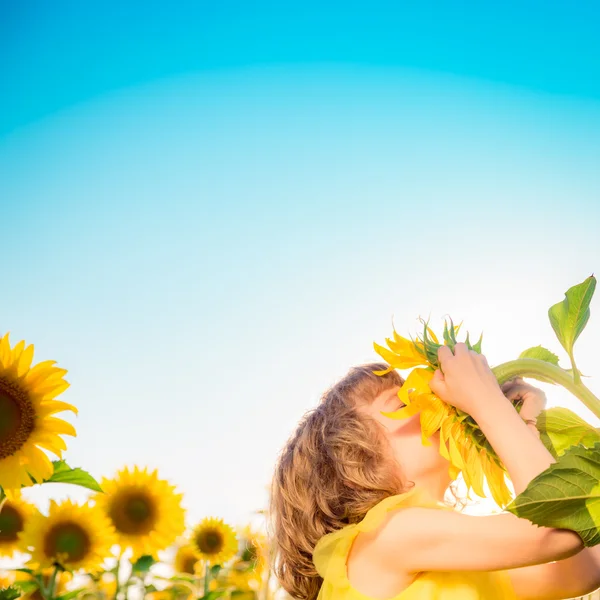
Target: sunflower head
253,549
186,560
144,510
27,424
15,512
215,541
462,442
72,536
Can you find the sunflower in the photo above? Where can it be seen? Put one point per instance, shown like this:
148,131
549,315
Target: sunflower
73,536
253,548
145,510
15,512
215,541
247,572
186,560
27,403
462,442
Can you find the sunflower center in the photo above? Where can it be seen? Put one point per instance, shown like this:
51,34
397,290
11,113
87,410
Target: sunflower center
133,513
11,522
67,541
250,553
189,564
17,418
209,541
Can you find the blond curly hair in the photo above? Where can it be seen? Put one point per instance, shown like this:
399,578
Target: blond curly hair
329,474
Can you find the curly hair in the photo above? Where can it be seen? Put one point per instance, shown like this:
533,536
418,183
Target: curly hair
329,474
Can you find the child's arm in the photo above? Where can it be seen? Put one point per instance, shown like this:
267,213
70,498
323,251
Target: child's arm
422,539
569,578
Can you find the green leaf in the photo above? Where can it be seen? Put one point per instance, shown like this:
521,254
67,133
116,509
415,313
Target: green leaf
27,586
70,595
569,317
566,495
213,595
214,571
143,563
63,473
560,428
540,353
10,593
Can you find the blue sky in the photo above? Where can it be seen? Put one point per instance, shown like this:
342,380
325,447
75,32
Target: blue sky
210,214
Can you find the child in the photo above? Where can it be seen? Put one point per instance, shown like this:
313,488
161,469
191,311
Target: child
357,500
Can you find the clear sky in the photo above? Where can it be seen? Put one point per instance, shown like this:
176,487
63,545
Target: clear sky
209,214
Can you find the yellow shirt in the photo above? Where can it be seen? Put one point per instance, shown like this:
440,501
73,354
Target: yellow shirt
331,553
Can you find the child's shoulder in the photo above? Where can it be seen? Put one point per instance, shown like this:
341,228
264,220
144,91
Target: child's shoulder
336,545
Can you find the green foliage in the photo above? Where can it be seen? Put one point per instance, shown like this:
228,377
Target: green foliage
10,593
143,564
27,587
566,495
213,595
70,595
569,317
560,429
63,473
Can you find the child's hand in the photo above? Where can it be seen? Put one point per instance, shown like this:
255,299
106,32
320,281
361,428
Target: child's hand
467,382
533,398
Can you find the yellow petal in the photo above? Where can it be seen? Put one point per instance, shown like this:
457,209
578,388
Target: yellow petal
38,464
54,406
54,425
432,335
25,361
403,413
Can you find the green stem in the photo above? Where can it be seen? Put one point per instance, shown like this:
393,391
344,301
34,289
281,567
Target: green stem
3,498
533,367
206,578
52,584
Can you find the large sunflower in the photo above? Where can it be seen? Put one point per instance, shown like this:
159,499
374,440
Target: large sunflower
215,541
15,512
461,440
73,536
145,510
27,403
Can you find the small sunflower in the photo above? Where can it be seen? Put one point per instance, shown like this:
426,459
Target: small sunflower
186,560
462,442
145,510
27,403
215,541
15,512
73,536
252,558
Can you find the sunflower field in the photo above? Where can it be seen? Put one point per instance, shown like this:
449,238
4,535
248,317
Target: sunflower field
129,540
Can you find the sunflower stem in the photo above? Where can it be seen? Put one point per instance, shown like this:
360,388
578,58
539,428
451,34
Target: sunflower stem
52,584
532,367
206,578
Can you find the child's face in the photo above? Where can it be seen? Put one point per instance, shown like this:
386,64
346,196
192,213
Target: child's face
422,464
